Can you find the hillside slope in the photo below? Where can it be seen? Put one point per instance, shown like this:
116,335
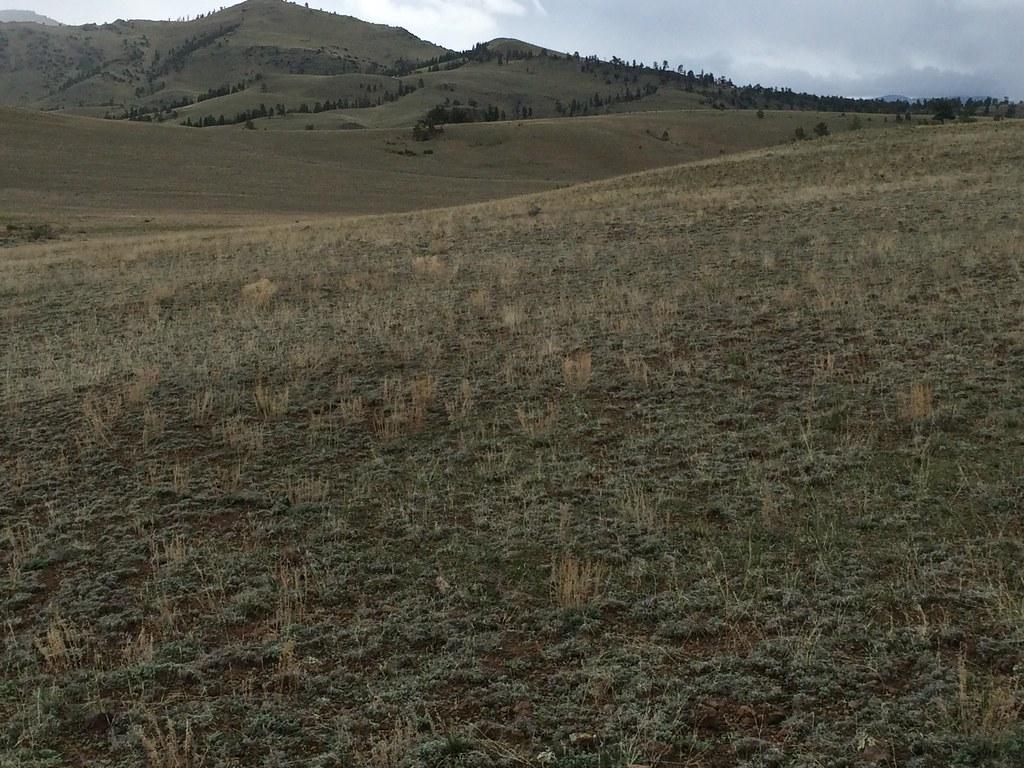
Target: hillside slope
152,62
77,168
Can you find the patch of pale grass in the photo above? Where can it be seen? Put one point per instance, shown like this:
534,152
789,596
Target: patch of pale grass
460,404
165,747
142,382
259,293
986,707
271,403
536,423
138,649
919,402
577,370
242,436
576,583
61,646
480,301
393,747
431,266
200,406
513,317
153,425
180,478
351,410
639,508
637,369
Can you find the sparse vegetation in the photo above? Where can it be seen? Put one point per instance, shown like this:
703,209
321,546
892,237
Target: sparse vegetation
718,464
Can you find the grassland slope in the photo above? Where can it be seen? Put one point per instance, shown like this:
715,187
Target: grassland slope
69,172
714,465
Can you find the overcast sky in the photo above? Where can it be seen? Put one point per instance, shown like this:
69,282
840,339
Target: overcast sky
848,47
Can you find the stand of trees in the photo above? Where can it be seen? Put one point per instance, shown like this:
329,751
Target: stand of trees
280,110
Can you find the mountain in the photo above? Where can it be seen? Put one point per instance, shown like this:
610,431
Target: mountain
26,17
145,63
274,64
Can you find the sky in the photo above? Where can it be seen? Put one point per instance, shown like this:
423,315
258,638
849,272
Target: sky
915,48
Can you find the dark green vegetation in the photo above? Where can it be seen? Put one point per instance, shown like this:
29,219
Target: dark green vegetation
716,465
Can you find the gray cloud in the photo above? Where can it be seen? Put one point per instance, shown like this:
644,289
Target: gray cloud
861,48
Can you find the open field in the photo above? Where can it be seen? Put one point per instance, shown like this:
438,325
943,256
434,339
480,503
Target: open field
75,173
714,465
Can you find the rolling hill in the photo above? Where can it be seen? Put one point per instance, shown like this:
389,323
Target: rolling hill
84,172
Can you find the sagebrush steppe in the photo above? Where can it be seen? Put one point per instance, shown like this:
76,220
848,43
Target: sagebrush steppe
714,465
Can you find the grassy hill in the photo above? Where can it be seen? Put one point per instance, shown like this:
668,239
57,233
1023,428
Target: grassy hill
70,172
145,63
713,465
273,58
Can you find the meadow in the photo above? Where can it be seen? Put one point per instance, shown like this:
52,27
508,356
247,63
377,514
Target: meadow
79,176
712,465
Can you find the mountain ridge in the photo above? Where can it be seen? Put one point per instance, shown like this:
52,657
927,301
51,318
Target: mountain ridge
16,16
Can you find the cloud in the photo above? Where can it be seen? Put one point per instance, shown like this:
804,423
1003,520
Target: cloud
452,23
919,47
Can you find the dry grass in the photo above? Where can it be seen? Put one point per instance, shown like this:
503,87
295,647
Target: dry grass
243,436
259,293
918,404
138,649
61,647
166,747
639,508
271,403
392,748
537,422
577,370
576,583
201,406
602,478
990,708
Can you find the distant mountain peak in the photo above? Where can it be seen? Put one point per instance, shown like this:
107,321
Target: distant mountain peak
26,17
